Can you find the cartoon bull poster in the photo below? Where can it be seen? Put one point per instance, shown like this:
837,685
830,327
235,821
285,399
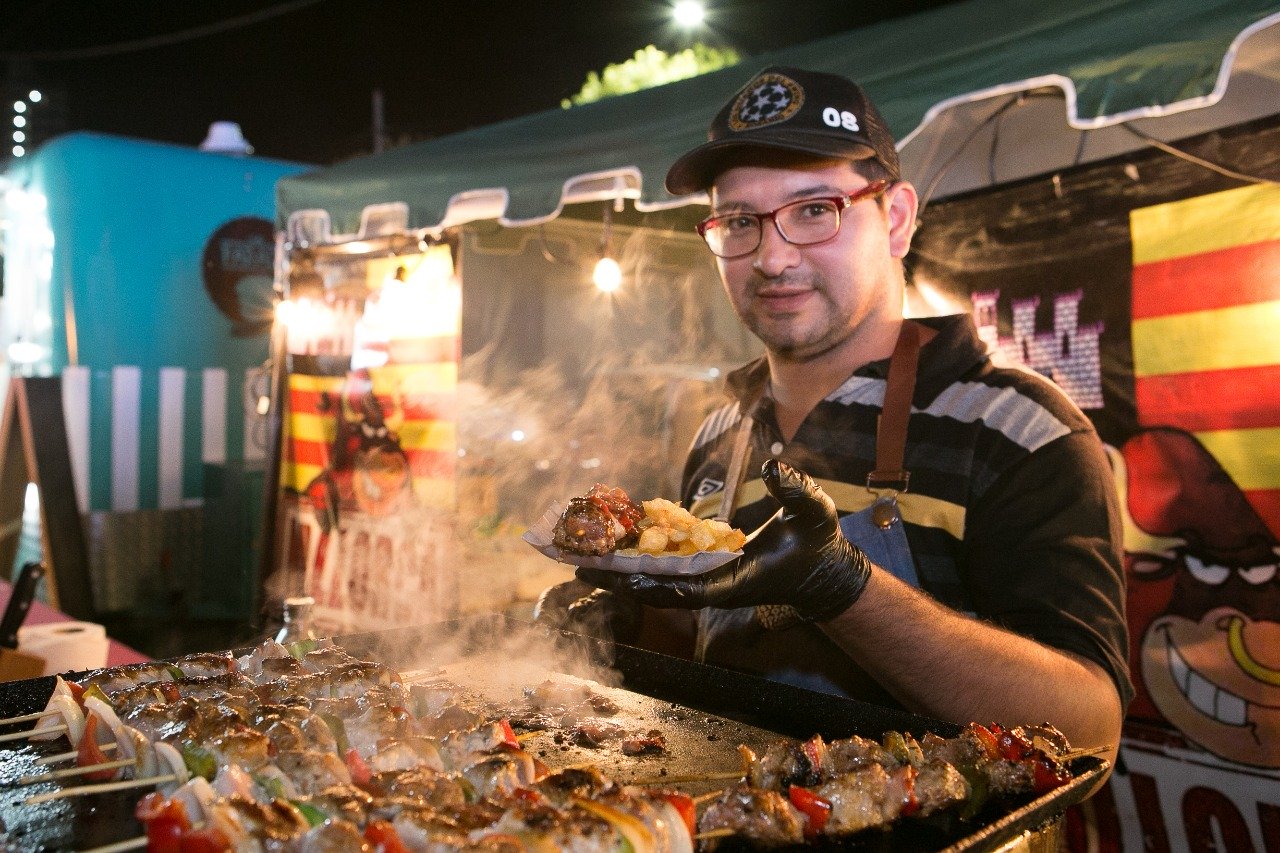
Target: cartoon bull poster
1208,662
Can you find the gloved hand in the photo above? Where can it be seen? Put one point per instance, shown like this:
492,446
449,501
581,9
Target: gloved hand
801,559
583,609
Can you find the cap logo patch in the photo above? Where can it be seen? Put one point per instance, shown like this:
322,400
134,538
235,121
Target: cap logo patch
769,99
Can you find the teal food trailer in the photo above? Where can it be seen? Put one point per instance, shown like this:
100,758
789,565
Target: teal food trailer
140,275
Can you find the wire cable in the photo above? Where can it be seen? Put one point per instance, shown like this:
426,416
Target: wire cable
158,41
1199,161
955,155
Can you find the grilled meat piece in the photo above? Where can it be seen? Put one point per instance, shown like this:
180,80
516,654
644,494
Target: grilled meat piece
585,527
570,830
650,743
785,763
333,836
620,506
562,785
313,771
869,796
939,785
419,787
847,754
428,830
502,773
342,801
277,821
764,817
598,522
205,664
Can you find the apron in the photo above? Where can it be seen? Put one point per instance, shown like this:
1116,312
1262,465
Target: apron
772,641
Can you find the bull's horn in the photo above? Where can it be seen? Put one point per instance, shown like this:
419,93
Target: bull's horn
1136,540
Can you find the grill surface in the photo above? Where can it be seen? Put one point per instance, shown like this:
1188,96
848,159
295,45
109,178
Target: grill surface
703,713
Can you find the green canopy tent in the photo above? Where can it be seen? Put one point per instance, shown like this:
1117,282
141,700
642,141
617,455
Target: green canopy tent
978,93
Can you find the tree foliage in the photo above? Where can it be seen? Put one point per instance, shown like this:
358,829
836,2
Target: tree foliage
651,67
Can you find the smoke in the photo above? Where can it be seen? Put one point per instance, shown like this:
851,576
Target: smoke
560,387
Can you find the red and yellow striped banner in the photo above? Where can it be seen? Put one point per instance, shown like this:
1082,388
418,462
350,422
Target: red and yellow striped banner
1206,330
419,404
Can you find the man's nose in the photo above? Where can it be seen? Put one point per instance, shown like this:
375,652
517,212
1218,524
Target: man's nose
774,255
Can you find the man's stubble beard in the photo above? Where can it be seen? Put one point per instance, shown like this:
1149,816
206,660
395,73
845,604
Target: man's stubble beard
809,343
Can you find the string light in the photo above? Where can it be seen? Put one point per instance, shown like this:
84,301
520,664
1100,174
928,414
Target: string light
607,275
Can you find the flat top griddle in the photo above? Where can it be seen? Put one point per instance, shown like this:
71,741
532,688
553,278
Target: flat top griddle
703,712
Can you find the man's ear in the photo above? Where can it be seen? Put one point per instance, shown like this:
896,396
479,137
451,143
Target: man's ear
903,203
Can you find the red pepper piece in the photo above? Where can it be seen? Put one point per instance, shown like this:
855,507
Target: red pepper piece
816,809
1047,774
812,749
89,753
987,739
910,803
685,807
1012,747
206,839
509,738
77,693
383,836
360,772
166,822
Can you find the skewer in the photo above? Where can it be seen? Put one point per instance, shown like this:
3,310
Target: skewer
101,787
25,718
722,776
48,730
75,771
715,833
120,846
67,756
1084,752
707,797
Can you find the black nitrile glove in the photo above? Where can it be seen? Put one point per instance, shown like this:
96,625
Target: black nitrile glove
583,609
800,559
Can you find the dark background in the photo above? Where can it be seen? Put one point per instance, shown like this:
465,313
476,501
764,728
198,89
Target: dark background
299,75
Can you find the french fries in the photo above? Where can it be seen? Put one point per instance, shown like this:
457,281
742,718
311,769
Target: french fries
670,530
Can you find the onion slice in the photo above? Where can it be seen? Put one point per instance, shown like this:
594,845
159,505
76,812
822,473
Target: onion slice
629,826
62,710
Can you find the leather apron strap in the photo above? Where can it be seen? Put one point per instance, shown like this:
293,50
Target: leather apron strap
737,461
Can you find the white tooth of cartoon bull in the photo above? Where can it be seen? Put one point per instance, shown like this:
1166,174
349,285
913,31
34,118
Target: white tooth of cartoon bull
1210,661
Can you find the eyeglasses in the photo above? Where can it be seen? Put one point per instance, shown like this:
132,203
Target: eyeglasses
801,223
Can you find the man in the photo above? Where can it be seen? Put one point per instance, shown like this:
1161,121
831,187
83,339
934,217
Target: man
977,577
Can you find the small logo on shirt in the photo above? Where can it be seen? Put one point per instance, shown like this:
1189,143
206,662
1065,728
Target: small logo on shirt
708,486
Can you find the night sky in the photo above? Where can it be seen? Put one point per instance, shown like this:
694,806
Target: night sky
299,75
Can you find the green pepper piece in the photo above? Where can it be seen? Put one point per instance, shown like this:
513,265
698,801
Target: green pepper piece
314,816
199,761
339,731
300,649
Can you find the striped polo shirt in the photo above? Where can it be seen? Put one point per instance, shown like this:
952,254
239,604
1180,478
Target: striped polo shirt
1010,513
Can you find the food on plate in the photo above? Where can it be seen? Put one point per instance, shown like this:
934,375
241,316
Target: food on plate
669,529
606,521
598,522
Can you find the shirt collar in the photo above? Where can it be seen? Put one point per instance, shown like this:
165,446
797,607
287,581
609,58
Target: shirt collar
954,352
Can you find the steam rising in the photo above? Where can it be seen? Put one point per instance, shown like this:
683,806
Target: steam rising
560,387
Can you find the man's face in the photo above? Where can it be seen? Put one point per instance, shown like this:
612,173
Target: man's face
803,301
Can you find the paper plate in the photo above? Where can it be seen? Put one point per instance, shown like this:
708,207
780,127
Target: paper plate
541,534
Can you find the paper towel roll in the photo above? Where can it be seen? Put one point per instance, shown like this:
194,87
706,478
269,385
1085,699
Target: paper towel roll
65,645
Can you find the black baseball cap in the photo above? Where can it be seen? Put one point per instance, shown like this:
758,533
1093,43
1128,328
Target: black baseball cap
789,109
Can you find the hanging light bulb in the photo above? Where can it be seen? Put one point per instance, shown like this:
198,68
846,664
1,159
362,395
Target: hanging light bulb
607,275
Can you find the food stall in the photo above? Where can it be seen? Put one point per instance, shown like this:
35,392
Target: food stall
1030,133
1095,194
